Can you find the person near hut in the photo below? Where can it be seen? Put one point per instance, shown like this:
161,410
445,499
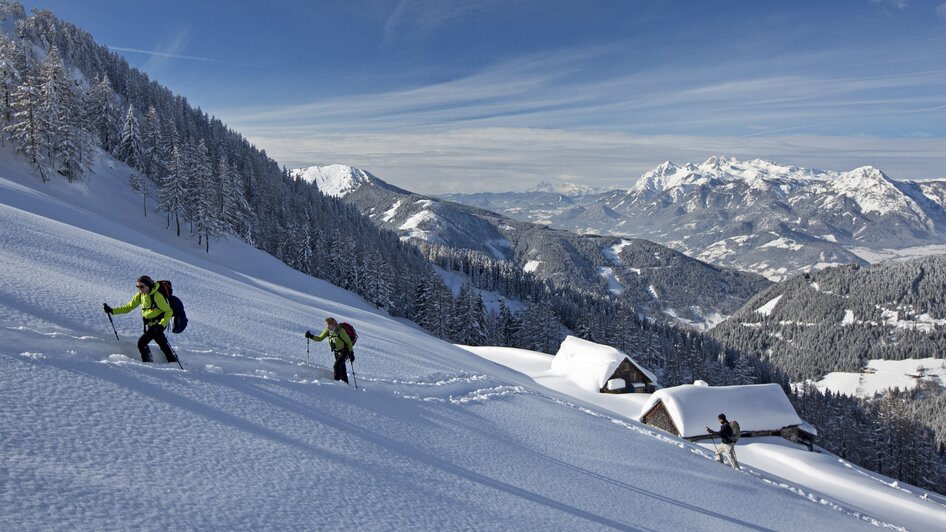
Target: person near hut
728,445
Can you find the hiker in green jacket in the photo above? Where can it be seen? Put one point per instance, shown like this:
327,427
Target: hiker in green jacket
341,346
156,314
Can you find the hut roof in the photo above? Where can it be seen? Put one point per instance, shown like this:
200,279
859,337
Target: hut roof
756,407
590,365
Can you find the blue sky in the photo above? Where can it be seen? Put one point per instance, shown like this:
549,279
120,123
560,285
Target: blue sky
440,95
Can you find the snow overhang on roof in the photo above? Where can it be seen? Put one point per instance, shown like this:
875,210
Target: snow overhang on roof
589,365
755,407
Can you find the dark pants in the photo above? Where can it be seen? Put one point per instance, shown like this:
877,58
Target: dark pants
341,370
156,333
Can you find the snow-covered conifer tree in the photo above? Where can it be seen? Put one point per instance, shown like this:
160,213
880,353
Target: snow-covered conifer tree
25,129
153,157
9,80
174,189
129,147
205,221
102,115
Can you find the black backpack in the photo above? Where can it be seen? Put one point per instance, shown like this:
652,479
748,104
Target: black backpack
177,307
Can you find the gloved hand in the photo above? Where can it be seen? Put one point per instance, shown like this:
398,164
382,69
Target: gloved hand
108,309
308,334
351,356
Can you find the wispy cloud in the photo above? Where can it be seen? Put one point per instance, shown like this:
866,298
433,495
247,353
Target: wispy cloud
479,159
540,117
417,19
886,6
170,50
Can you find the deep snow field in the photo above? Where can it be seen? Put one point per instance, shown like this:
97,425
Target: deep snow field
249,436
819,475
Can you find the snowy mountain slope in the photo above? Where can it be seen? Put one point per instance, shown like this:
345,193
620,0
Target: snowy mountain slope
338,180
688,291
252,437
820,476
840,318
882,375
759,216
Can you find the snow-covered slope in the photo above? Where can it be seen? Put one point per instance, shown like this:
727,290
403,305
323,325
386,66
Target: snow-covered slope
334,180
882,375
820,477
339,180
250,436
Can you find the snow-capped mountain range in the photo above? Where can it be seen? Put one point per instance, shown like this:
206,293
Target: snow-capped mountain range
755,215
662,282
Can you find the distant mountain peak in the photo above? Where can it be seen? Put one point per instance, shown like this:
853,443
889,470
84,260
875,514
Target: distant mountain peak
336,180
562,187
723,169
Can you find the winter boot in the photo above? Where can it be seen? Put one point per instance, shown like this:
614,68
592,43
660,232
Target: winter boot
146,354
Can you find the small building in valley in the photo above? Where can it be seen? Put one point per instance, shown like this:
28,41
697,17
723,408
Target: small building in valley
760,409
601,368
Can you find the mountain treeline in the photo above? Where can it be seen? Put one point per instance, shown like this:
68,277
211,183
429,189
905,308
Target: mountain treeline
899,434
840,318
552,310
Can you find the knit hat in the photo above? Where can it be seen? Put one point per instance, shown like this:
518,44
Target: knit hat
144,279
722,416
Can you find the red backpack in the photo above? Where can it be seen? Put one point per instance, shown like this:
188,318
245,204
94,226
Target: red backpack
352,335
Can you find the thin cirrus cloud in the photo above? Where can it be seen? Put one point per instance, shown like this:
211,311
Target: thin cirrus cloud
490,159
541,117
164,54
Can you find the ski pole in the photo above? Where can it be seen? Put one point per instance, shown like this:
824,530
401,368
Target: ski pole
113,325
177,358
307,341
353,378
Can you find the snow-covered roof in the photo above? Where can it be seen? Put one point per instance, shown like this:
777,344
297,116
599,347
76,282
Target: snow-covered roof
755,407
589,365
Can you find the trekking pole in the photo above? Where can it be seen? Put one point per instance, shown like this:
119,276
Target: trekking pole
113,325
353,378
715,446
307,341
177,358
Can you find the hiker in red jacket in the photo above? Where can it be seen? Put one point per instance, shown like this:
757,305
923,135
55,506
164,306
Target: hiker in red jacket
341,344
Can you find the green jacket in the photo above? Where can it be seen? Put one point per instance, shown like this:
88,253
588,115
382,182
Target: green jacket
153,306
338,340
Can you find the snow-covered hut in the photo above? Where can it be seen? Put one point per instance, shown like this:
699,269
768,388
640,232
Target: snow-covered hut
601,368
760,409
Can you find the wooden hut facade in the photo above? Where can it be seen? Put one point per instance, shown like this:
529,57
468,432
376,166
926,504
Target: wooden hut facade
761,410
